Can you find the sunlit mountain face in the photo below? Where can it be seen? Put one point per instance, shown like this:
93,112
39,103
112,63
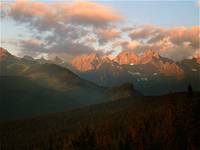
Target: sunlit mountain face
99,75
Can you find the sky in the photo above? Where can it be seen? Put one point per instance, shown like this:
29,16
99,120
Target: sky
44,28
164,13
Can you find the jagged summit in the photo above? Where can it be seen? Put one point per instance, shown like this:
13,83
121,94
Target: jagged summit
148,56
92,62
130,57
197,58
151,53
87,62
127,57
3,52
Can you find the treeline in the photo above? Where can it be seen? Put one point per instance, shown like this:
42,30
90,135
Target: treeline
173,124
172,128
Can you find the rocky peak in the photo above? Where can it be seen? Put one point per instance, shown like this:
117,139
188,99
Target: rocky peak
93,55
127,57
164,65
171,69
197,58
88,62
3,52
148,56
151,53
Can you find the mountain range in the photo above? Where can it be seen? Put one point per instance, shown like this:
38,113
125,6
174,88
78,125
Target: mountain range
150,73
32,87
47,106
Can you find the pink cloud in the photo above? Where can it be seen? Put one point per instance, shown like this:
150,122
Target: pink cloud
80,12
66,24
183,34
91,12
145,31
107,35
176,43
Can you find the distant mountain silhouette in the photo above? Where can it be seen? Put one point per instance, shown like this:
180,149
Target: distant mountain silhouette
29,87
33,86
150,72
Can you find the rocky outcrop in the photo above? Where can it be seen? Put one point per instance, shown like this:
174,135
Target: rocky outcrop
85,63
127,57
197,58
3,52
170,69
149,56
93,62
164,65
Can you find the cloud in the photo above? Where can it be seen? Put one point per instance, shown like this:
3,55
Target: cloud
131,45
32,47
61,26
198,3
90,13
83,27
178,53
180,35
144,32
69,47
85,13
107,35
177,35
176,43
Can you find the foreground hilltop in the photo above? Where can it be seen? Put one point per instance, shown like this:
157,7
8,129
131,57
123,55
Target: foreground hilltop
156,122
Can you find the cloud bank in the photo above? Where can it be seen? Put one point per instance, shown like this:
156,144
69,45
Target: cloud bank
61,26
76,28
176,43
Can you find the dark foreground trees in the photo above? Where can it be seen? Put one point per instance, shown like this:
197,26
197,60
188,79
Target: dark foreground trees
171,123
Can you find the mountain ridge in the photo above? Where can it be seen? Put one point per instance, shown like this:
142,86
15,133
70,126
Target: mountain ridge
26,83
153,74
93,62
144,71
